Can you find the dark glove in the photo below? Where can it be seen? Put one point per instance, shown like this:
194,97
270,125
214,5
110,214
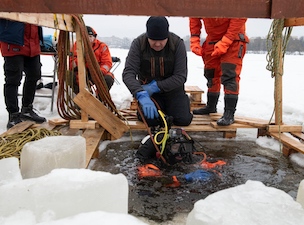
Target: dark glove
147,105
195,45
222,46
151,88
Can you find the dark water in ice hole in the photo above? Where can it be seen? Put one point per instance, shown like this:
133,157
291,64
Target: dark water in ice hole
245,160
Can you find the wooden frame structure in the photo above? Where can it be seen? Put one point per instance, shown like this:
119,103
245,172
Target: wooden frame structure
195,8
55,14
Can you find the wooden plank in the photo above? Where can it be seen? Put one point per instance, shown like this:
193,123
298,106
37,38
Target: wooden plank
290,22
100,113
299,135
195,94
193,89
18,128
78,124
56,21
258,123
130,118
93,138
284,128
81,68
232,126
200,122
184,8
290,142
136,125
58,121
45,125
199,128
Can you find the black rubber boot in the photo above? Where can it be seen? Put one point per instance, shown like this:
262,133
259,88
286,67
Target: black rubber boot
14,118
230,107
212,99
28,114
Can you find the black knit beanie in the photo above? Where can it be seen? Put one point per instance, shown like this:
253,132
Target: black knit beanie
157,28
91,31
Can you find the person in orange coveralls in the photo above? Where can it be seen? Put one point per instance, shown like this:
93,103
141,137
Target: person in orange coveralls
102,54
222,52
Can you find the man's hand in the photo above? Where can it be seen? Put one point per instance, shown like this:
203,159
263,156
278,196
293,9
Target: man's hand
222,46
195,45
147,105
151,88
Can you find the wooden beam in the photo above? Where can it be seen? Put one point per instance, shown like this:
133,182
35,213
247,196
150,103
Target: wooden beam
258,123
289,142
232,126
287,9
78,124
185,8
100,113
56,21
18,128
93,137
293,22
284,128
298,135
278,85
58,121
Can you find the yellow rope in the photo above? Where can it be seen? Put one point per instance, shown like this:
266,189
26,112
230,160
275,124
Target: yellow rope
11,145
56,23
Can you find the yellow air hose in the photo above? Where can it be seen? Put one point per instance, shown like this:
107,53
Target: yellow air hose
165,132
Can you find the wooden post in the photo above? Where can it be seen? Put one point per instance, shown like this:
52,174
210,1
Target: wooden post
81,67
278,85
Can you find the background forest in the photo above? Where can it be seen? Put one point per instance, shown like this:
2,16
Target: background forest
256,45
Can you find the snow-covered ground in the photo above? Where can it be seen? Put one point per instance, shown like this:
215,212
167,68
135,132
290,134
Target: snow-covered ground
256,100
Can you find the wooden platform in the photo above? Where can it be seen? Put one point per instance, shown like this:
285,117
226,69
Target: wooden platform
203,123
291,137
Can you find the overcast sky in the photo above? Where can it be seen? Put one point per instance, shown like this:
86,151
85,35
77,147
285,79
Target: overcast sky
132,26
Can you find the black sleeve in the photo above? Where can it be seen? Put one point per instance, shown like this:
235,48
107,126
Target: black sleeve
180,71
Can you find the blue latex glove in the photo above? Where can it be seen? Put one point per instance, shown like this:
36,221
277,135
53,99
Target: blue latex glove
151,88
198,175
147,105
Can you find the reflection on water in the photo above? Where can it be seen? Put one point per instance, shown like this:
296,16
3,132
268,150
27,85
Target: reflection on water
245,160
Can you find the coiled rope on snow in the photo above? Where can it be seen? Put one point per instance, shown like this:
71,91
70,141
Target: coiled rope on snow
12,144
